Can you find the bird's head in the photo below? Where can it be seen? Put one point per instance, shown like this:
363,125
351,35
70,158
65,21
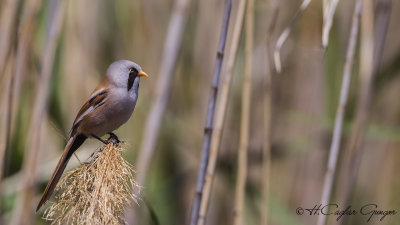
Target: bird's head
125,74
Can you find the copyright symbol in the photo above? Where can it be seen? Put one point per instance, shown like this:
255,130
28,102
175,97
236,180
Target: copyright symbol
299,211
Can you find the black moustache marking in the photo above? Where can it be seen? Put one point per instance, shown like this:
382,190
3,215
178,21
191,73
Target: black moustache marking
131,78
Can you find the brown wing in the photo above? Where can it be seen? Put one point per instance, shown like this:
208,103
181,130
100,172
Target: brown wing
96,99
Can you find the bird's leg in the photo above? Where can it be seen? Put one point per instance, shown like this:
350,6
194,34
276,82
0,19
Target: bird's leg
113,138
100,139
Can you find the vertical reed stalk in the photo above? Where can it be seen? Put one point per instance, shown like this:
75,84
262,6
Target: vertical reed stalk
266,155
5,117
165,76
28,25
220,113
7,22
205,151
19,65
244,118
344,92
23,212
371,54
354,151
266,162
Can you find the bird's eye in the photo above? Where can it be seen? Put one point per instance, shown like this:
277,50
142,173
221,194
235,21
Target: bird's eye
131,70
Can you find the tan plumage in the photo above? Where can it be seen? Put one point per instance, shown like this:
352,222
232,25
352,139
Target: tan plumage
109,106
95,98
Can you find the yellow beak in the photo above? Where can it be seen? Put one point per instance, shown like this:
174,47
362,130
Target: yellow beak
141,73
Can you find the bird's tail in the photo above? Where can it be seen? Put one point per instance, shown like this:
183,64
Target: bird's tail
73,143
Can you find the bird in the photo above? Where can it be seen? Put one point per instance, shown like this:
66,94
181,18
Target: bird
110,105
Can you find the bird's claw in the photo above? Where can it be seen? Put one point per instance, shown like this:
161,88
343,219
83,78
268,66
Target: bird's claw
113,138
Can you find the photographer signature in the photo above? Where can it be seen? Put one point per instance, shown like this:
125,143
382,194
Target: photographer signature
369,210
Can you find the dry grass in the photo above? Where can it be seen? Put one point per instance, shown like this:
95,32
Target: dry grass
95,193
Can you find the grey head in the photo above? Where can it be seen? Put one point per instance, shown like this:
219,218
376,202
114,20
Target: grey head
124,74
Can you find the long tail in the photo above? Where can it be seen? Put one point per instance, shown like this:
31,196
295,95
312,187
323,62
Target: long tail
73,144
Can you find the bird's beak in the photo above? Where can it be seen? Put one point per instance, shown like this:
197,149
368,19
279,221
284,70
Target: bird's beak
141,73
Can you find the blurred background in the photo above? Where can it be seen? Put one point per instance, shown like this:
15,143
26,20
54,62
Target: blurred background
54,53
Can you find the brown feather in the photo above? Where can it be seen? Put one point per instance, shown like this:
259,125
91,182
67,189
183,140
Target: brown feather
97,98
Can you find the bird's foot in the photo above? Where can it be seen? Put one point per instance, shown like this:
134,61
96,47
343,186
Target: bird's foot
100,139
113,138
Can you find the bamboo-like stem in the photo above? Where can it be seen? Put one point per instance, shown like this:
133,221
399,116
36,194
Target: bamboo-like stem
329,12
337,132
28,26
325,7
244,118
5,118
383,12
371,54
220,113
354,150
23,212
285,34
210,115
19,69
266,162
8,19
165,76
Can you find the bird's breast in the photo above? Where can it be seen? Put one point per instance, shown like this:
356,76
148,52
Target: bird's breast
121,107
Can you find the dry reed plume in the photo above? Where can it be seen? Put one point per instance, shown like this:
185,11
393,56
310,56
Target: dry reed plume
95,193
